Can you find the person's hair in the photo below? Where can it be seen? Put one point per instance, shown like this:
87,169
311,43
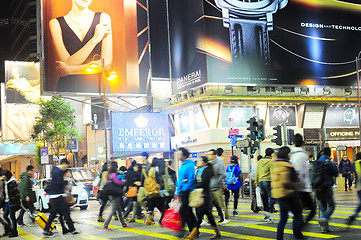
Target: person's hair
133,163
184,151
311,156
213,151
29,168
123,169
64,160
105,167
7,173
219,151
284,152
358,156
327,151
234,159
170,162
145,154
113,167
269,152
319,154
259,157
155,162
206,160
298,140
139,167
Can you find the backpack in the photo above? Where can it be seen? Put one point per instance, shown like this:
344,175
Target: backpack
320,176
150,186
169,185
231,178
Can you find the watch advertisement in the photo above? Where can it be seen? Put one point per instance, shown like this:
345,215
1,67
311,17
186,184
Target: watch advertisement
341,116
301,42
280,114
86,43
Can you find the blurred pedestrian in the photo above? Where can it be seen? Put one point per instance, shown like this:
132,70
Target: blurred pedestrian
234,183
283,183
133,183
357,168
345,168
27,195
104,200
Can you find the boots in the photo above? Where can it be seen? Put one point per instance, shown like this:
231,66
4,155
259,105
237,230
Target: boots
193,234
217,234
149,220
101,219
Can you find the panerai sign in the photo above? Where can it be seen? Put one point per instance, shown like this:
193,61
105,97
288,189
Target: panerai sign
342,133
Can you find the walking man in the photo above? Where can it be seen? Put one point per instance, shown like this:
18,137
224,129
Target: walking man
57,199
185,185
357,168
345,168
27,194
299,159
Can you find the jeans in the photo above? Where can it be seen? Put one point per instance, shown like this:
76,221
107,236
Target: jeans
59,206
292,204
348,179
265,187
307,203
186,212
28,205
116,211
7,212
326,204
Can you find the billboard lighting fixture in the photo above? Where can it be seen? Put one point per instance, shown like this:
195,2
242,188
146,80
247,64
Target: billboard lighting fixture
190,93
228,89
256,89
178,97
203,90
326,91
168,100
304,90
279,89
348,91
185,96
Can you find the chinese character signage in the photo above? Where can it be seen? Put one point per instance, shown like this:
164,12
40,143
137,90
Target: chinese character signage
138,132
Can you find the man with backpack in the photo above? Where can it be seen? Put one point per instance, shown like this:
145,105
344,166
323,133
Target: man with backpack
322,172
345,168
299,159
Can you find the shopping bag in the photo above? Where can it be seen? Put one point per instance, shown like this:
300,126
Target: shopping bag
172,220
254,207
175,204
259,198
132,192
196,198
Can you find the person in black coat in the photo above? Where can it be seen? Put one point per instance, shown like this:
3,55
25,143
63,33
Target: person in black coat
203,176
133,180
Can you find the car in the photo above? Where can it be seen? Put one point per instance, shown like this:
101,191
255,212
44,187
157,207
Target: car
42,197
85,176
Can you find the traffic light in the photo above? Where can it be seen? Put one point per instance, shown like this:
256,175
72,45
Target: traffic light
252,128
278,134
290,136
259,129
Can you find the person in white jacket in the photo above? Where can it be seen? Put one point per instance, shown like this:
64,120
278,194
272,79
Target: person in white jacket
299,159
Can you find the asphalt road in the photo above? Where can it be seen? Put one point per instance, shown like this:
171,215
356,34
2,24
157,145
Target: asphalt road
247,225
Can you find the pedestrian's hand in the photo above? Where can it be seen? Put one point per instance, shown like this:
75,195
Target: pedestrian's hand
185,180
28,199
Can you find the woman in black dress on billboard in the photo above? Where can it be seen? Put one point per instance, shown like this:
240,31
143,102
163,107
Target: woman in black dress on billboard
78,37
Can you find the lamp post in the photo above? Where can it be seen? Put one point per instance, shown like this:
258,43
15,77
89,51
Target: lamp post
105,111
358,91
96,141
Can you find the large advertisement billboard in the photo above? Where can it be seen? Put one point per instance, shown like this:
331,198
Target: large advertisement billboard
138,132
83,38
300,42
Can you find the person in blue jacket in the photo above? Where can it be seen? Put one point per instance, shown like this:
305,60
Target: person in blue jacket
185,184
233,170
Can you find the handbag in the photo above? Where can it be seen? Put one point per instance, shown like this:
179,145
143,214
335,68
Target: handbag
132,192
169,185
70,200
171,218
196,198
112,189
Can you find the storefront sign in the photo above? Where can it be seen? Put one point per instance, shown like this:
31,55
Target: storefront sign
233,132
189,141
17,149
138,132
44,155
342,133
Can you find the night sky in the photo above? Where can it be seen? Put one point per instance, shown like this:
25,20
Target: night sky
4,36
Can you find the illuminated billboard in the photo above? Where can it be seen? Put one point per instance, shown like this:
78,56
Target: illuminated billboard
138,132
82,38
298,42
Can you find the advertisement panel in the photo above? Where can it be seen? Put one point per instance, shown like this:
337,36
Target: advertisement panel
138,132
341,117
300,42
82,38
22,81
280,114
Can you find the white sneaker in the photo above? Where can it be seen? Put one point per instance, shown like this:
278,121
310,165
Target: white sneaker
225,221
205,224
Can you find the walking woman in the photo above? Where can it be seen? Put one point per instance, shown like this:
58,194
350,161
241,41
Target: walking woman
114,191
234,183
203,176
155,200
103,199
133,183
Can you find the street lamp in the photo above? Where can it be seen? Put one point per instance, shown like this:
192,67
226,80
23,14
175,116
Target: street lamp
112,75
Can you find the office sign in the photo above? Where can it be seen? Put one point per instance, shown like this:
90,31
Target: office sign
342,133
138,132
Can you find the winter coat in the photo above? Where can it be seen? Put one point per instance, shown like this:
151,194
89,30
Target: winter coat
57,183
12,191
25,187
283,179
237,173
332,169
299,159
2,192
186,171
345,167
357,167
203,178
263,173
219,178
